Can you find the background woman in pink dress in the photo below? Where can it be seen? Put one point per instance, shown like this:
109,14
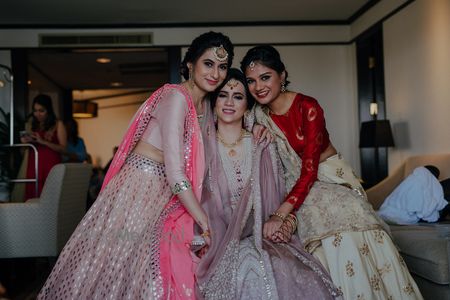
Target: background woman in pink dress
134,242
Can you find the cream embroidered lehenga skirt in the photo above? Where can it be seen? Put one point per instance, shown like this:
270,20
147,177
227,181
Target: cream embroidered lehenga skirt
114,252
339,227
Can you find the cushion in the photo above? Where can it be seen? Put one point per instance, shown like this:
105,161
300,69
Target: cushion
425,249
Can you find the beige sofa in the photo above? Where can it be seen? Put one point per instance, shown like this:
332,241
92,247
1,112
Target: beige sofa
40,227
425,247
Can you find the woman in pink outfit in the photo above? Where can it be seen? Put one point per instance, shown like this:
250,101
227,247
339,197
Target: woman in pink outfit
134,241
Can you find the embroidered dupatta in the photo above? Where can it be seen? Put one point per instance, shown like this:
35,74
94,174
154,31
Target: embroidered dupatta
217,272
336,202
176,262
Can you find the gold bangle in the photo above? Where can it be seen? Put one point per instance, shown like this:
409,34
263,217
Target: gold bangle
278,215
292,219
181,187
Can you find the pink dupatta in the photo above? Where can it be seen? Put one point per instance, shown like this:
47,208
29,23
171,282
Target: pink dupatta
177,268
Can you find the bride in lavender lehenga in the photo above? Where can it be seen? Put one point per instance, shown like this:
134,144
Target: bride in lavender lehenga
243,186
133,242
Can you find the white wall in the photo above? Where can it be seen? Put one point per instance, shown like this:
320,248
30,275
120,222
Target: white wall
101,134
417,76
327,73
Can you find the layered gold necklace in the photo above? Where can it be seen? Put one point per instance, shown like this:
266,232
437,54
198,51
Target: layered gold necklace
231,146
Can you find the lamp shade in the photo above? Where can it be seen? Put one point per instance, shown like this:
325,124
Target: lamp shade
84,109
376,133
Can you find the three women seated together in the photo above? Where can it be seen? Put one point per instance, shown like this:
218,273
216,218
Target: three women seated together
213,195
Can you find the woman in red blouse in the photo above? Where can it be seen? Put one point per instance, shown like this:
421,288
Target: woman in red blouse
335,221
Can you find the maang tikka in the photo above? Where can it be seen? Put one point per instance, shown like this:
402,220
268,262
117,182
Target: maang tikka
232,83
220,53
252,65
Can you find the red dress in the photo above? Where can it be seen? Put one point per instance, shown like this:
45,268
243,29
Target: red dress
304,127
47,159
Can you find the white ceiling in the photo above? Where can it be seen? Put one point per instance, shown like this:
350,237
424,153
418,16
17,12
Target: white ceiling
172,12
73,70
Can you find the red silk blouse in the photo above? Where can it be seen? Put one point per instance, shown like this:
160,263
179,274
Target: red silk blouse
304,127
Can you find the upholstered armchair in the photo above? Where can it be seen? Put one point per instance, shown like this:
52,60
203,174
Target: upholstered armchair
425,247
41,226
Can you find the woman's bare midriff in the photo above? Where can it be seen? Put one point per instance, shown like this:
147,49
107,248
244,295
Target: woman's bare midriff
330,151
149,151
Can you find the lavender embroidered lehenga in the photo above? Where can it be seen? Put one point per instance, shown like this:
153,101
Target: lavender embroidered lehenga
238,196
132,242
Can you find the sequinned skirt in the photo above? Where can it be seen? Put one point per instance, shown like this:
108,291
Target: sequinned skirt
280,273
114,252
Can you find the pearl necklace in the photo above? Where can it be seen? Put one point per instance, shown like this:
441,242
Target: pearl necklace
232,152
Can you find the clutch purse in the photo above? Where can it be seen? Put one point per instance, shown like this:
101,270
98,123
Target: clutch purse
197,243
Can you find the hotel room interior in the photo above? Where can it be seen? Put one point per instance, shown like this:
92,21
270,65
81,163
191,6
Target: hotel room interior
379,68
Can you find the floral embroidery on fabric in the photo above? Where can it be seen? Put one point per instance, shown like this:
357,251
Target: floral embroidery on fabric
299,135
339,172
292,200
385,269
378,235
375,282
364,249
349,269
360,297
408,289
312,114
309,165
337,240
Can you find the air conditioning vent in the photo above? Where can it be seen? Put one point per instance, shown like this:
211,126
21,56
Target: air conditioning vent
95,40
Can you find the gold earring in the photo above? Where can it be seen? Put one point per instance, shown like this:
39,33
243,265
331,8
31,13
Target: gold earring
191,79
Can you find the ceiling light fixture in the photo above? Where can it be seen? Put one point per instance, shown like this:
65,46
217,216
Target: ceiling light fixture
84,109
103,60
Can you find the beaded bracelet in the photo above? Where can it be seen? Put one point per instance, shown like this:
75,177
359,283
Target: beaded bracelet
181,187
278,215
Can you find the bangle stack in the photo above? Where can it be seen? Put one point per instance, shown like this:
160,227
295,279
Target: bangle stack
292,220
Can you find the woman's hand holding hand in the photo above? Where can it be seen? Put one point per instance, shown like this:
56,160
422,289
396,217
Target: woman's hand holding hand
262,134
206,235
272,226
283,235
